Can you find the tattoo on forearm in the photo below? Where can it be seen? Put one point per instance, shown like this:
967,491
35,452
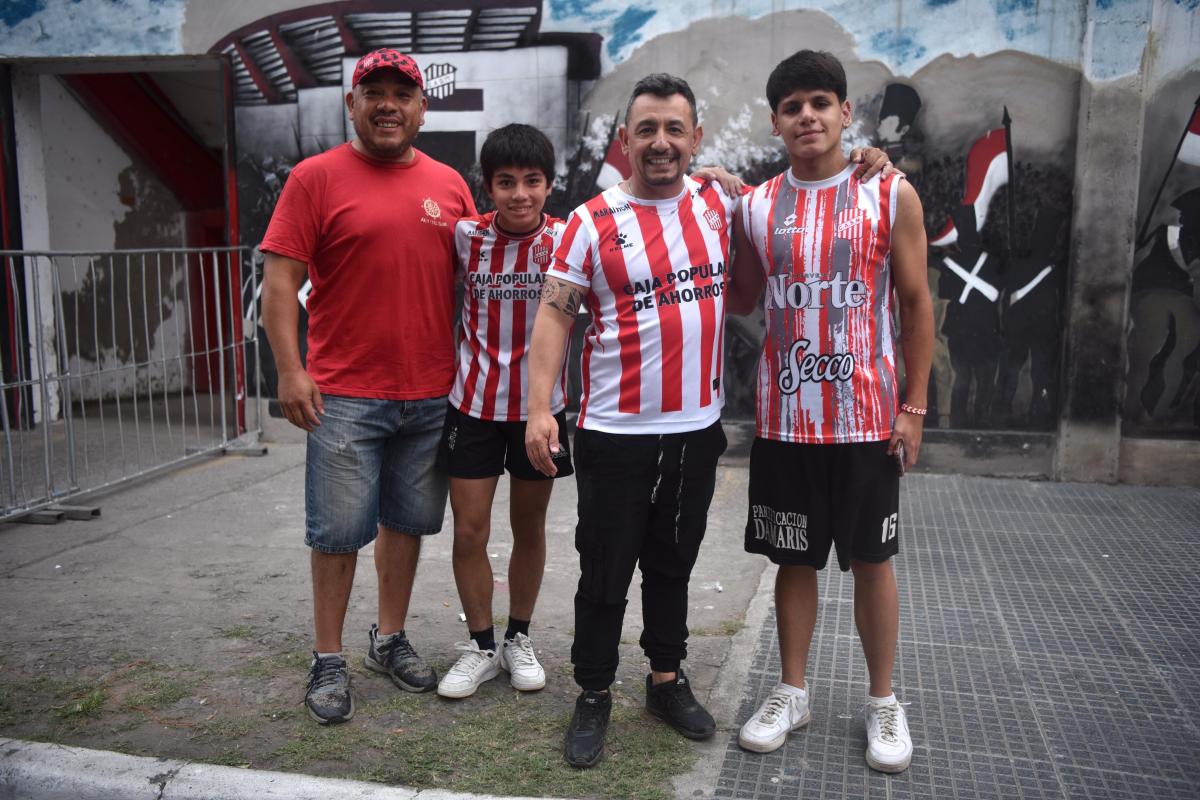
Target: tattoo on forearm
563,297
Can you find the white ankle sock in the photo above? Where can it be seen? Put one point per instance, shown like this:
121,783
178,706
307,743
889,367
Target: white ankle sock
787,687
881,701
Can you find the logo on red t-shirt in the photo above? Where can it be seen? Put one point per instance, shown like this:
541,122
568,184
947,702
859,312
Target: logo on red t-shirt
431,207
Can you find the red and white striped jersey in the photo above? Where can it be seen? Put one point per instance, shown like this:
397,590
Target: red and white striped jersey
828,368
656,269
503,281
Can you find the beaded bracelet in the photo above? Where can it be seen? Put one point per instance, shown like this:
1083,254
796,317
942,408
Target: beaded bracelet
907,409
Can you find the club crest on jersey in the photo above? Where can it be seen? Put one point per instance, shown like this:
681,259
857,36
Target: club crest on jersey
541,254
714,219
849,221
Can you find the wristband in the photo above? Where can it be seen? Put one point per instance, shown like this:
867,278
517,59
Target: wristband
907,409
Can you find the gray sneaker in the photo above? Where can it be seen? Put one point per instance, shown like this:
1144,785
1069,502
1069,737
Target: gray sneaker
399,661
328,697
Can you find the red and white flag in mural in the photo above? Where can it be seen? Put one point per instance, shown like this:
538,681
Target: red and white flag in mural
1189,151
615,167
987,171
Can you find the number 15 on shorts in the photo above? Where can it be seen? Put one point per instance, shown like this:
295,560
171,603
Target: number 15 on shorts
889,527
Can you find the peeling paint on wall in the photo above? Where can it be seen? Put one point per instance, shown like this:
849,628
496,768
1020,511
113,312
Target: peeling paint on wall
138,297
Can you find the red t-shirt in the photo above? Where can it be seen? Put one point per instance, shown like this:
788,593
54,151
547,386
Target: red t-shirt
378,238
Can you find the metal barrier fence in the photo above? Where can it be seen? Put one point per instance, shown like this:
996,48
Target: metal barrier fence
118,364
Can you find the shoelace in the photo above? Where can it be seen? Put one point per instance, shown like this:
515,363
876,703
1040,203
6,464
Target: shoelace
889,722
470,659
521,652
326,672
774,707
398,650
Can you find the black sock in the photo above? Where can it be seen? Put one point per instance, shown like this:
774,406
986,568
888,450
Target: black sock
516,626
486,638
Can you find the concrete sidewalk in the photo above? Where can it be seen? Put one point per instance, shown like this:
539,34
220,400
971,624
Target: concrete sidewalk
199,581
58,772
1048,642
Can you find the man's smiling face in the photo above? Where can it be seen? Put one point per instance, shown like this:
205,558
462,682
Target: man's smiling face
660,138
387,110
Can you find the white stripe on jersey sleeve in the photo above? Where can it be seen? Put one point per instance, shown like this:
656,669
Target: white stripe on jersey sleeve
580,248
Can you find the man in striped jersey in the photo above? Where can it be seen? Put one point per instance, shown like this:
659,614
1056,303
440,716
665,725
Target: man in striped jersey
502,256
825,251
648,255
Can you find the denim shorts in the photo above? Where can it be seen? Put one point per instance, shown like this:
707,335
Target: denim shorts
372,462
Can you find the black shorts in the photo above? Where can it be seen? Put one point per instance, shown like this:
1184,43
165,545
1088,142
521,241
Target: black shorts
805,497
484,448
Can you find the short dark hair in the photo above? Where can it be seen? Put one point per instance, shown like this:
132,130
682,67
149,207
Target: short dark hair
660,84
516,145
806,69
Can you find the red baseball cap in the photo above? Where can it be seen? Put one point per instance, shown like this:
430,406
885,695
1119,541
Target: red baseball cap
387,58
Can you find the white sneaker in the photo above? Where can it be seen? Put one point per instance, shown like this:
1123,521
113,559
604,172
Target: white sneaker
889,746
524,671
473,667
781,713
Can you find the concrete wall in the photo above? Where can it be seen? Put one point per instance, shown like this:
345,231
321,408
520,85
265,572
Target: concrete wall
1070,329
82,192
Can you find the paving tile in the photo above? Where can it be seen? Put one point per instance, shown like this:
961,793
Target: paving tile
1086,784
1047,646
1116,685
1124,738
1070,621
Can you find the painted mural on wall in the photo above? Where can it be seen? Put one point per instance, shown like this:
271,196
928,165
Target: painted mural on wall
1163,376
930,89
987,141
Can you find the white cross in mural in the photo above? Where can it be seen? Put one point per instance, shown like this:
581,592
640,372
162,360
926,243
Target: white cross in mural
971,280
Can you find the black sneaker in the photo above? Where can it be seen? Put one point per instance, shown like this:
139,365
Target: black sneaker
674,703
399,661
328,697
589,724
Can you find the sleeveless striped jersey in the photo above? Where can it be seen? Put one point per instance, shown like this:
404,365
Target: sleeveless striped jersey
827,373
503,280
656,270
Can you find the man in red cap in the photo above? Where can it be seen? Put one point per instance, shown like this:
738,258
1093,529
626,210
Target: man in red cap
371,224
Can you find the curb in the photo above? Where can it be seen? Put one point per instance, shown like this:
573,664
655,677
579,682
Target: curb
42,771
725,697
